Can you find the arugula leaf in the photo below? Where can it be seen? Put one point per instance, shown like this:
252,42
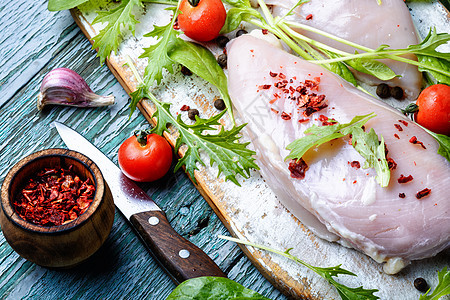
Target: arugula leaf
203,63
373,151
157,55
223,148
319,135
442,289
56,5
108,38
367,144
372,67
213,288
341,69
346,293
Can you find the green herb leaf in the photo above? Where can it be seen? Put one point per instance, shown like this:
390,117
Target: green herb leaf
372,67
203,63
436,63
346,293
373,151
157,55
367,144
223,148
108,38
319,135
56,5
213,288
341,69
442,289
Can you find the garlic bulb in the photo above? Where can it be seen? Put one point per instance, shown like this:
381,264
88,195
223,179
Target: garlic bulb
65,87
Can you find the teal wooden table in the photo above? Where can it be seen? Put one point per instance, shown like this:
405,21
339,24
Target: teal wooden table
34,41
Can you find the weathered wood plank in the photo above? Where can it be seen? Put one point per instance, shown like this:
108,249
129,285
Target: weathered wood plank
122,267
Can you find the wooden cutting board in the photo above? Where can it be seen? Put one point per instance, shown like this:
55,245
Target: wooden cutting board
252,211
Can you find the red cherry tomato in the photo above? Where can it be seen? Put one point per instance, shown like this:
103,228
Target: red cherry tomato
147,162
434,108
202,22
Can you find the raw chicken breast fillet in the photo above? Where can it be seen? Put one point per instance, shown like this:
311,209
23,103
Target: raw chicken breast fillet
389,224
366,23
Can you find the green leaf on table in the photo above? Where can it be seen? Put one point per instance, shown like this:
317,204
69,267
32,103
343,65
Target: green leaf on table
223,148
157,54
213,288
346,293
203,63
57,5
117,18
442,289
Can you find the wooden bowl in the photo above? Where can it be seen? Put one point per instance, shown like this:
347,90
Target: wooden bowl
65,245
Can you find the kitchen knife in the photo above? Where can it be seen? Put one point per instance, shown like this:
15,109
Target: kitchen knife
180,258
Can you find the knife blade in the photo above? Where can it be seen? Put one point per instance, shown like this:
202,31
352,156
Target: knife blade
180,258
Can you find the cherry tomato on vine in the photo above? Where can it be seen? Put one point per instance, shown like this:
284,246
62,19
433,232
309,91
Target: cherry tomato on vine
145,157
434,108
202,20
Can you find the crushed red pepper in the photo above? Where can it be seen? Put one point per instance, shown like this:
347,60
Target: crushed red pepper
298,168
396,136
403,122
405,179
414,140
399,128
309,17
185,108
54,197
423,193
355,164
392,165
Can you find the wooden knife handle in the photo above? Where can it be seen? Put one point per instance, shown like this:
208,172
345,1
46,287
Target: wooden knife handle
179,257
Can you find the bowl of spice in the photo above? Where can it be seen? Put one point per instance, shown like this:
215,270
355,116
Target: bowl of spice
56,208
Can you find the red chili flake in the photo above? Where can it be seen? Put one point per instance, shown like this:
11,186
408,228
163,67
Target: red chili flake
396,136
285,116
303,120
404,179
414,140
185,108
298,168
404,122
265,31
273,74
399,128
274,110
265,86
282,76
355,164
354,182
309,17
280,84
392,165
401,195
54,197
326,121
423,193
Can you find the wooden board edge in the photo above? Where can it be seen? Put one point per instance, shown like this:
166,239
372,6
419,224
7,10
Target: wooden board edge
297,290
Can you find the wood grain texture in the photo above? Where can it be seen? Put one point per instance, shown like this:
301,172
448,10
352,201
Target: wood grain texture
122,268
253,211
61,246
182,259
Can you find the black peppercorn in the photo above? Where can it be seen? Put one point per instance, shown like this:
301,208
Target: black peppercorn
222,60
219,104
185,71
421,285
397,92
241,32
222,41
383,90
192,113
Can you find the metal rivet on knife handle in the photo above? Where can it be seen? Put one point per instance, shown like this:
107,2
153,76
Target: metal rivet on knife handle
184,253
153,221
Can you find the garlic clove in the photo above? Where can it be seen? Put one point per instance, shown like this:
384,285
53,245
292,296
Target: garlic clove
63,86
